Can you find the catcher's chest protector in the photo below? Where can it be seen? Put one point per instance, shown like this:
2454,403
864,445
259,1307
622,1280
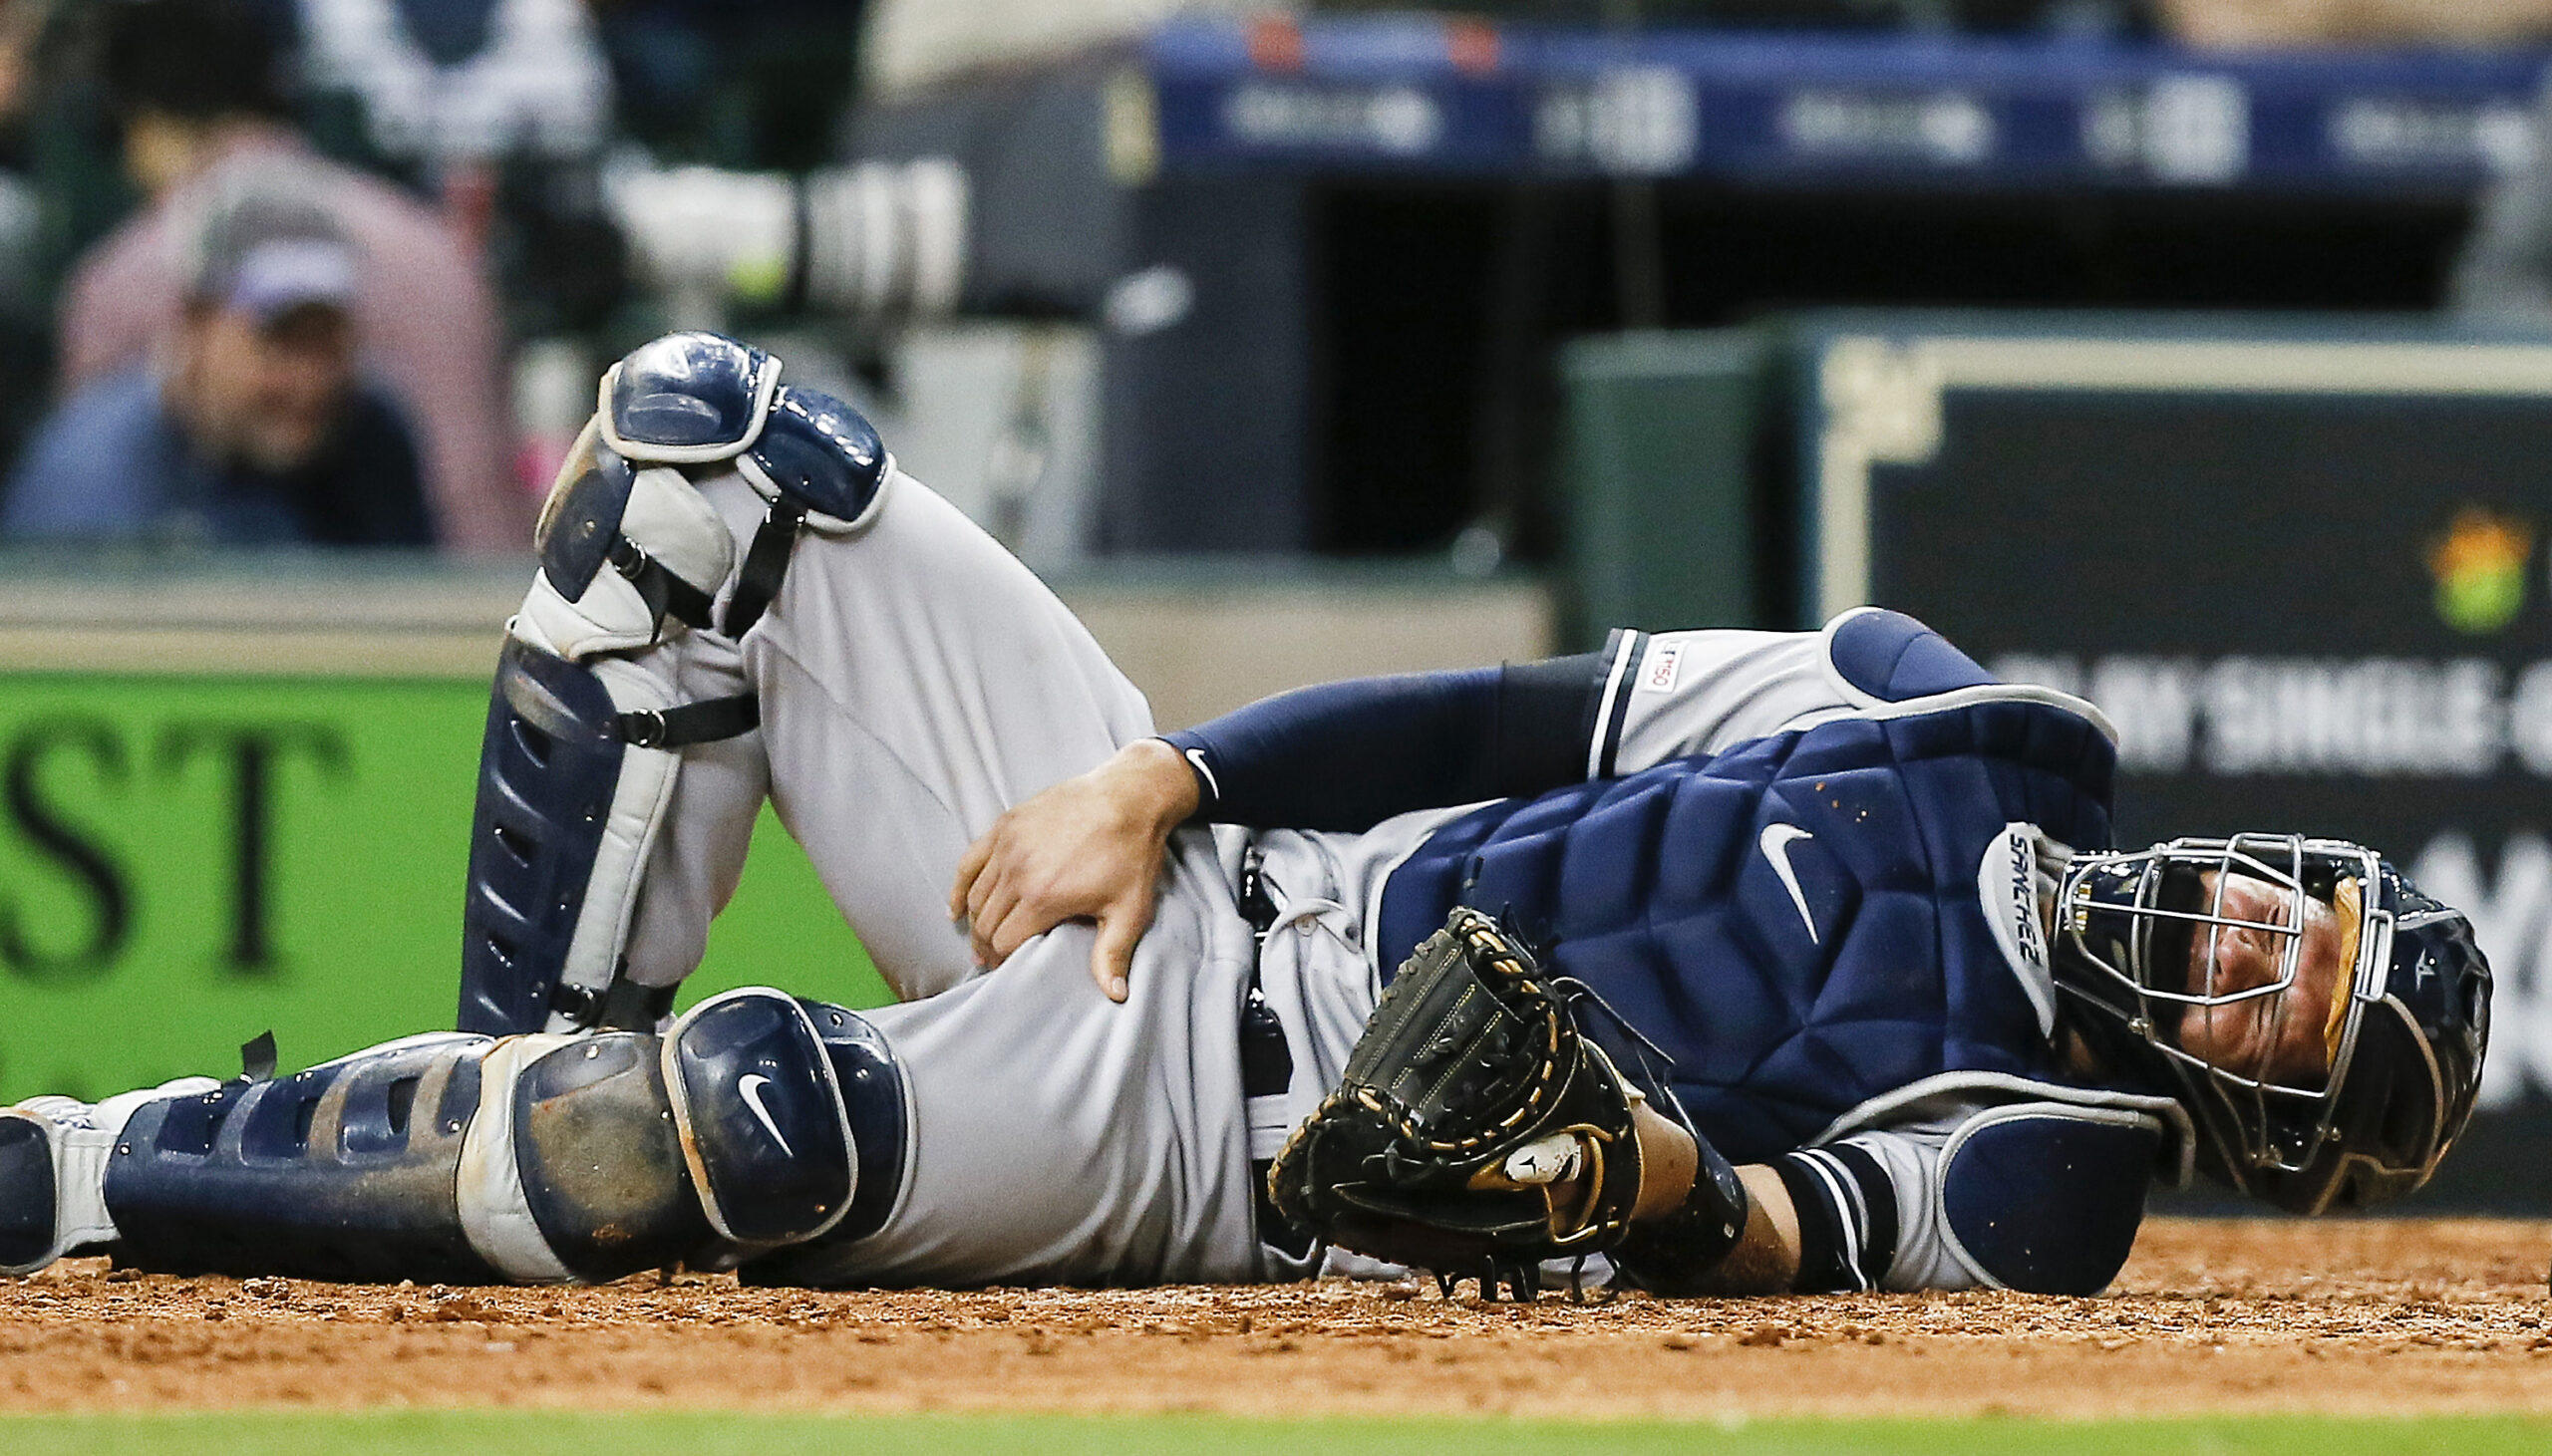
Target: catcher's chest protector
1801,922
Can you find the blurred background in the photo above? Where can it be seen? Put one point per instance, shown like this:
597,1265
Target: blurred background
2192,353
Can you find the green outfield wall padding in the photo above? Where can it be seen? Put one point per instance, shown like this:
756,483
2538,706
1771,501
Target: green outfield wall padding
1660,445
186,862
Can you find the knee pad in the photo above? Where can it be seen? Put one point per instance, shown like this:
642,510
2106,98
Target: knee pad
689,398
695,400
764,1125
873,1095
574,1168
731,1135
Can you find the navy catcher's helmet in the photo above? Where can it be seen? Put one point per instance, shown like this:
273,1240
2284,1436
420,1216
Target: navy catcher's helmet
2406,1029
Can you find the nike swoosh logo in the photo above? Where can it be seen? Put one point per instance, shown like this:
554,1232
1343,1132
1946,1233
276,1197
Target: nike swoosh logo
1776,842
1196,757
751,1083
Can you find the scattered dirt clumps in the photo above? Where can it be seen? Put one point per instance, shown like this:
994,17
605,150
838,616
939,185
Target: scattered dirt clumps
2351,1317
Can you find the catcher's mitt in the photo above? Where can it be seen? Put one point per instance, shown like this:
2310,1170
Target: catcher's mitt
1474,1127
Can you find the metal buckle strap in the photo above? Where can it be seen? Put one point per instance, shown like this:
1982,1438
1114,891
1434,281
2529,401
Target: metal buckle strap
705,722
665,594
624,1005
766,565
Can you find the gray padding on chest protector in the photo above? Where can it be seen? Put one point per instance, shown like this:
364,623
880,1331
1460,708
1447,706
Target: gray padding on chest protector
342,1172
760,1106
2044,1198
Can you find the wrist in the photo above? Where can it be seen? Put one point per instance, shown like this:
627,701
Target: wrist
1162,784
1667,1161
1681,1249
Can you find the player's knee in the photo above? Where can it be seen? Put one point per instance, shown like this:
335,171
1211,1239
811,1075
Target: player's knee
873,1101
600,1155
763,1123
875,1106
759,1121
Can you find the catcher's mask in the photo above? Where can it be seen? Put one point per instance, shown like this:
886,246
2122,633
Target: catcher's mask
2402,1032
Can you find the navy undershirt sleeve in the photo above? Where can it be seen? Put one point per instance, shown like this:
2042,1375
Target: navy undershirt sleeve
1347,755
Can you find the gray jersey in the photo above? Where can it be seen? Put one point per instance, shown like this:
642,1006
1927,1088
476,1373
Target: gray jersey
915,682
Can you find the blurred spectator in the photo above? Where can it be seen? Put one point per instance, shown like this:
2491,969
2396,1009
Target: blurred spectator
196,85
252,428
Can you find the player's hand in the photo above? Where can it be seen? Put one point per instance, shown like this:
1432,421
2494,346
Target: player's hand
1089,848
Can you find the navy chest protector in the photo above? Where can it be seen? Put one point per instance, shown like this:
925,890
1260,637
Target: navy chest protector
1800,923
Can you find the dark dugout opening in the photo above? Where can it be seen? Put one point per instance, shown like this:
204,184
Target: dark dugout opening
1438,306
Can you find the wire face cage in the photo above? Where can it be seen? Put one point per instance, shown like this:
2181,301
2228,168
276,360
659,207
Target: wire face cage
2196,949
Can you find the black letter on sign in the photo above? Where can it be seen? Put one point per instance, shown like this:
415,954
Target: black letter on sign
110,916
252,751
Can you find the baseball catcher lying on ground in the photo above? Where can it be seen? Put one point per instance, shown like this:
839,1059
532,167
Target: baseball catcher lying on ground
1752,962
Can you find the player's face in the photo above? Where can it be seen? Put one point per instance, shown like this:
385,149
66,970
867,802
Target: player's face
2282,1036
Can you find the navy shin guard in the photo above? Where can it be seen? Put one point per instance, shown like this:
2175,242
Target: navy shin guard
757,1121
447,1157
343,1172
547,772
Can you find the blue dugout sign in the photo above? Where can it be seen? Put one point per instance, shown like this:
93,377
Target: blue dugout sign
1452,97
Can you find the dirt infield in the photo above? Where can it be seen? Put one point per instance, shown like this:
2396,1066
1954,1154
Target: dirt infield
2337,1318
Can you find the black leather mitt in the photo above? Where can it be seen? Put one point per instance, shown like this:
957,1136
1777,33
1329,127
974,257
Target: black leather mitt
1474,1127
